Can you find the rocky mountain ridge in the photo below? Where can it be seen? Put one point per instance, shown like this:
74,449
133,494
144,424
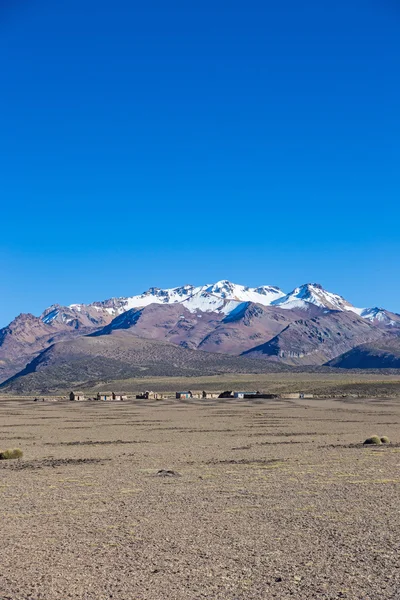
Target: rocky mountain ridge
222,296
308,326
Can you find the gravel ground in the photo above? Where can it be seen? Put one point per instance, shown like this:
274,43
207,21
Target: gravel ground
227,499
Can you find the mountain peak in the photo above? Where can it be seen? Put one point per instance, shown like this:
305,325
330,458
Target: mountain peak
313,293
222,287
222,297
220,316
316,286
22,318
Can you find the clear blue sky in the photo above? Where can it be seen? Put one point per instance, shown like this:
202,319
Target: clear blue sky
161,143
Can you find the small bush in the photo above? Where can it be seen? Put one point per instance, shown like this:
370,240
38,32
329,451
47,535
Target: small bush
374,440
10,453
385,440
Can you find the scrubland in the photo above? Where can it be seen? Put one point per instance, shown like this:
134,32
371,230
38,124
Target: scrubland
222,499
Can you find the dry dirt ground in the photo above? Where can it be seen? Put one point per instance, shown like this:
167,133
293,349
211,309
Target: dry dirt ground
271,499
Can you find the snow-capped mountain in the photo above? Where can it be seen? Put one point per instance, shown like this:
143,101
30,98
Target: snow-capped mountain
210,297
307,326
221,297
265,294
379,316
313,293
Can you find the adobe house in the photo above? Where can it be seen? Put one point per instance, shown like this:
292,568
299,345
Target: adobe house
76,396
296,395
205,394
226,394
146,396
254,395
112,397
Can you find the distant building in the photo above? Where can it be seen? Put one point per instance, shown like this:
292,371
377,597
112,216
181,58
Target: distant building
226,394
296,395
76,396
180,395
254,395
113,397
147,395
117,397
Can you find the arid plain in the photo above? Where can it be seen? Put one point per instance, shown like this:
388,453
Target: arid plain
265,499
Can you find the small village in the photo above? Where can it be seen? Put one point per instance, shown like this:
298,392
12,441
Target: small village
79,396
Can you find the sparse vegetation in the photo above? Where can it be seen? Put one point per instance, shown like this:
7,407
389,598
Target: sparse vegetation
11,453
374,440
385,439
319,381
248,467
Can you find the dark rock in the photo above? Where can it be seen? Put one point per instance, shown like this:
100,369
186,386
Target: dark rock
167,473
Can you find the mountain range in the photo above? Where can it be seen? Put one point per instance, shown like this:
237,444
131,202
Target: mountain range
259,326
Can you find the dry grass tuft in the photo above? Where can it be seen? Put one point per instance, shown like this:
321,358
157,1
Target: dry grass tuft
375,440
385,440
11,453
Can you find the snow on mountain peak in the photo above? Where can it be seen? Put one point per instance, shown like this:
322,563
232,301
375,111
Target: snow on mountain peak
232,291
222,296
223,288
313,293
204,298
380,315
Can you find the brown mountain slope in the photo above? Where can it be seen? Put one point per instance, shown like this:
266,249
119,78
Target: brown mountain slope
89,360
381,354
249,325
212,332
310,335
319,339
77,316
24,338
28,335
165,322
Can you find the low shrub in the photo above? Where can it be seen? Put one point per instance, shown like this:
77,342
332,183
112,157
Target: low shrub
374,440
385,440
10,453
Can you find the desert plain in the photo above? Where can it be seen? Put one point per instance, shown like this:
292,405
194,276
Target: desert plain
191,499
